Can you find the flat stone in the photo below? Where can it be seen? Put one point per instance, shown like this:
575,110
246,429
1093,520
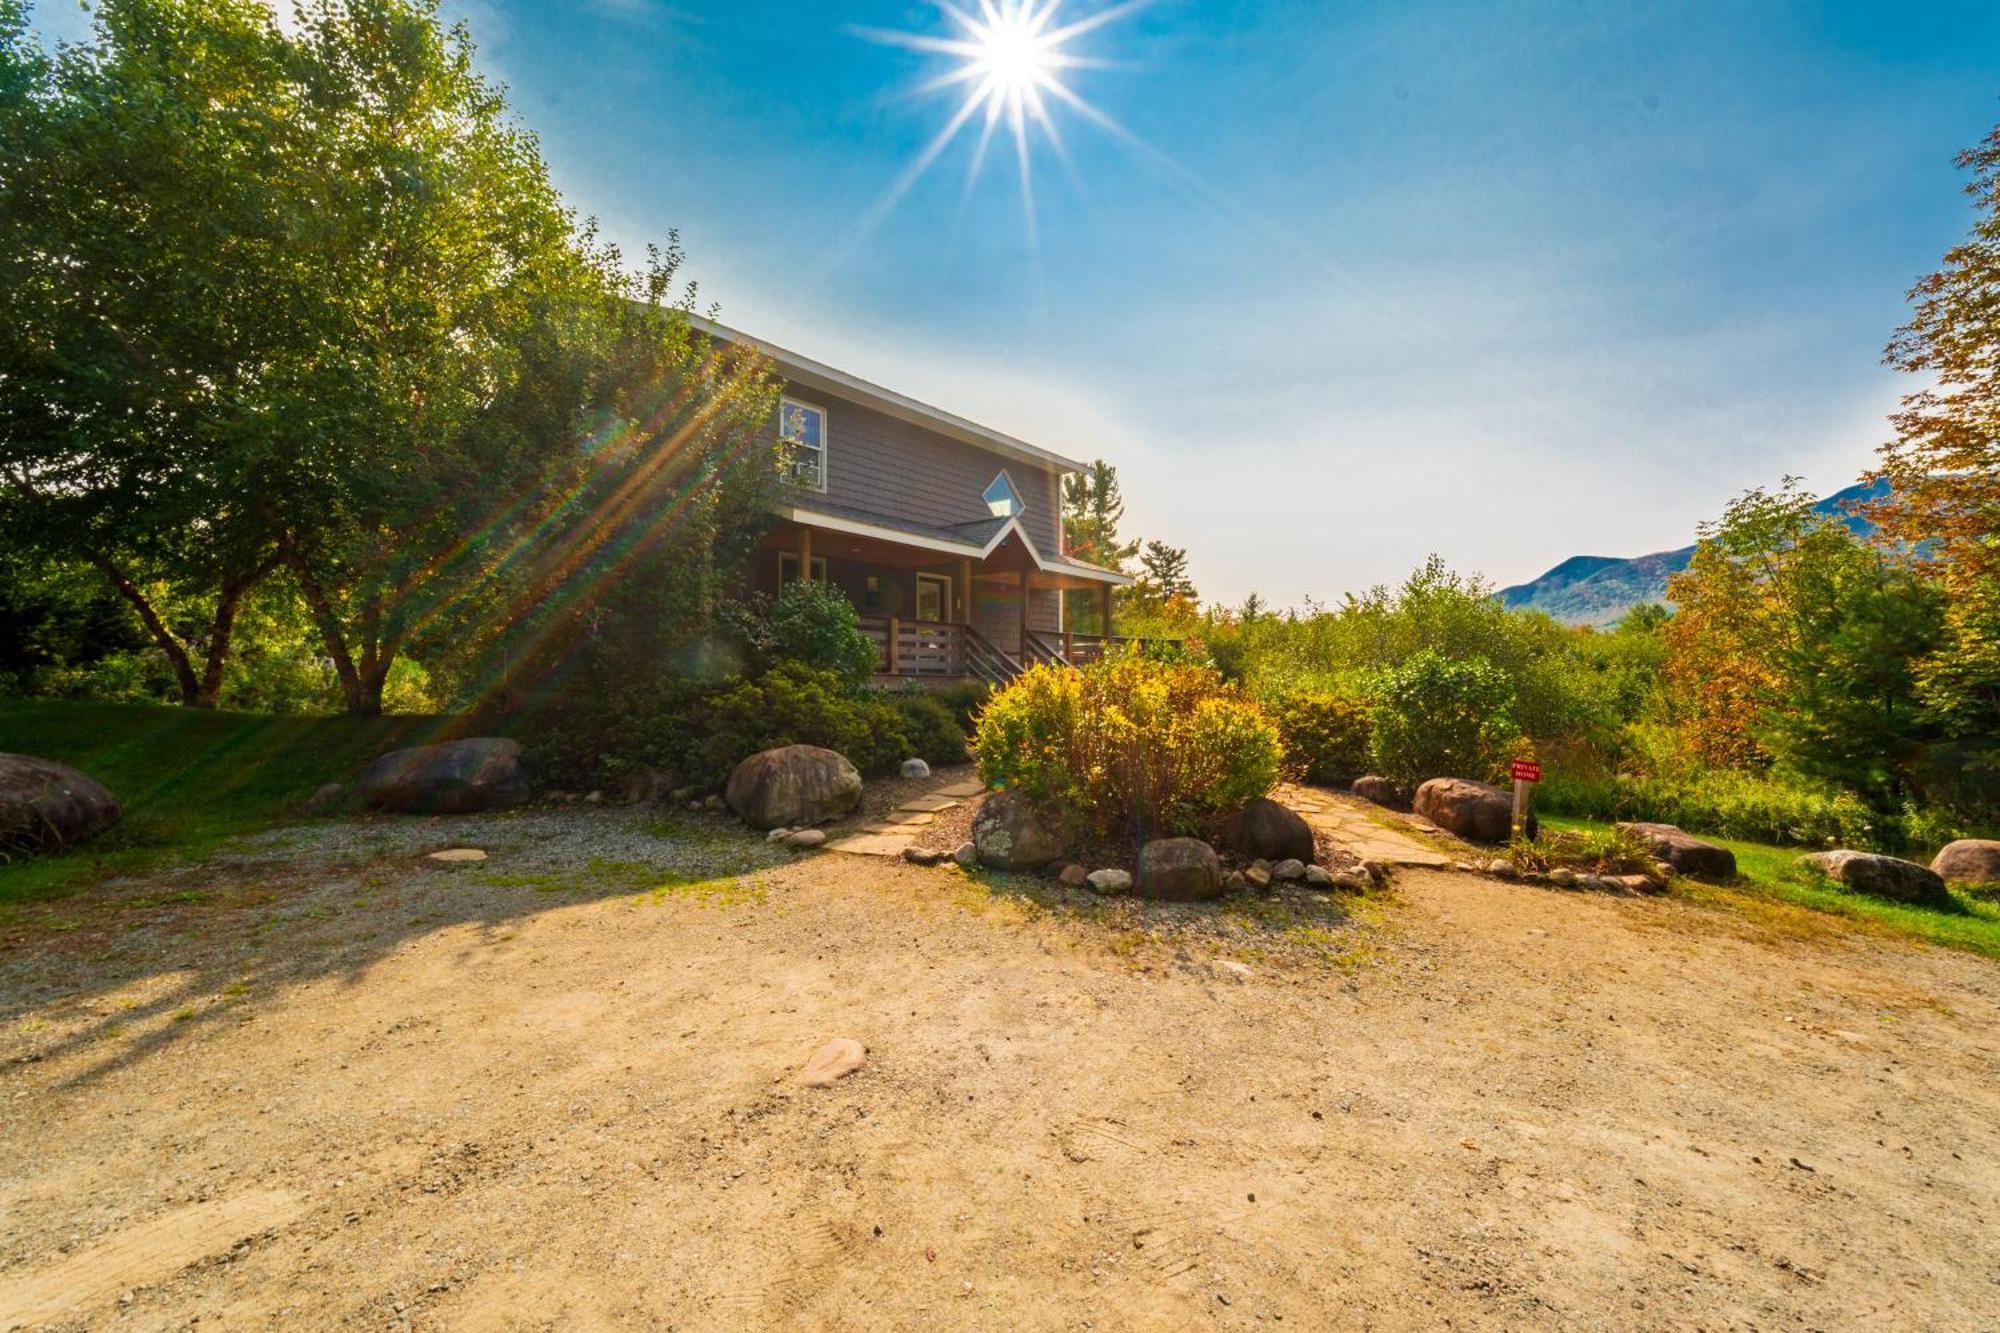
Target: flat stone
1110,880
870,844
929,805
806,837
963,791
454,855
1228,969
913,818
834,1061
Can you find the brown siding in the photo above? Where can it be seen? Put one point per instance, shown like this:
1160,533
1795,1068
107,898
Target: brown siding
881,465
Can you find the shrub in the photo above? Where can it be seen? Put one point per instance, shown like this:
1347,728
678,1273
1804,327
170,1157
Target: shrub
795,704
1438,716
931,728
811,623
1129,748
1325,734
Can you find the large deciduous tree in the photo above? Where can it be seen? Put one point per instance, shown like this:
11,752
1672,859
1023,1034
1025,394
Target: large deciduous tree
147,289
1944,464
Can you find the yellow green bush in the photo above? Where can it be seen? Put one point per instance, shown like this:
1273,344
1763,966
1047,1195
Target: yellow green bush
1130,748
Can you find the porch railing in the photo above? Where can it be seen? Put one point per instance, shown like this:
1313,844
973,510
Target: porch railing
916,647
1071,649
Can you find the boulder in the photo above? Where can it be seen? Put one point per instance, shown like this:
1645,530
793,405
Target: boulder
1969,861
1179,870
792,786
915,768
1685,853
45,805
1012,835
1472,810
1110,880
451,778
1881,876
1382,791
1268,830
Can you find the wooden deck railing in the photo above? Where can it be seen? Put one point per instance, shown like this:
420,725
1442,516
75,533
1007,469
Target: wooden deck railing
930,648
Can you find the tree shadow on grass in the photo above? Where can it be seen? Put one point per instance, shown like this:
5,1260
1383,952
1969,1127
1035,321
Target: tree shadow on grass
138,966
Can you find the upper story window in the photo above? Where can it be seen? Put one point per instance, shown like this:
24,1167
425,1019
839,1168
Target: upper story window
802,433
1003,499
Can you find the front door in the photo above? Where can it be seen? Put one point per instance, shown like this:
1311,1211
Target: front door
933,596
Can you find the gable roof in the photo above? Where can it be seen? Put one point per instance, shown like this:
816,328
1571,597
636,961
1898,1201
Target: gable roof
803,370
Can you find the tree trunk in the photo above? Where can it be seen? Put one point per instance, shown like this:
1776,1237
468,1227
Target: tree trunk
177,656
330,635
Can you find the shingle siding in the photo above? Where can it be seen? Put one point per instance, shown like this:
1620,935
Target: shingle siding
879,464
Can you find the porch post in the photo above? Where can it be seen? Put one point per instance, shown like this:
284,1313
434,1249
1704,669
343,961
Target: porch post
965,592
1104,598
1024,615
806,554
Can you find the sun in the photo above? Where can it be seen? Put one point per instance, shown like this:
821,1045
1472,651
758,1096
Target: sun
1009,58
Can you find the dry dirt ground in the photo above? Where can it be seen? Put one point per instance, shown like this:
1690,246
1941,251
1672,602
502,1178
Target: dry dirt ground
324,1083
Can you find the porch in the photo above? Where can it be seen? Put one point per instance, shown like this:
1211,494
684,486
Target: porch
982,604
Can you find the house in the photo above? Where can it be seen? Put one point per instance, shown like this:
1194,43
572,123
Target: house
947,536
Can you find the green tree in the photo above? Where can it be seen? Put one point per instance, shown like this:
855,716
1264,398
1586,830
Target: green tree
1166,572
1092,511
147,289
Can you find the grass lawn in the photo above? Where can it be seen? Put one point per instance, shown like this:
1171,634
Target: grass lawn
1770,878
186,777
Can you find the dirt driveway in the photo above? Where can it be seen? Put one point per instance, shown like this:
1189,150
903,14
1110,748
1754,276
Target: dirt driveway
334,1085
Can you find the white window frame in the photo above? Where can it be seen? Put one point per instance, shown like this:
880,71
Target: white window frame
793,474
790,559
943,582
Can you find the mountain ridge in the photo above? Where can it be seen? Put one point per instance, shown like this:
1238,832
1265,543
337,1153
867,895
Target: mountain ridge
1597,590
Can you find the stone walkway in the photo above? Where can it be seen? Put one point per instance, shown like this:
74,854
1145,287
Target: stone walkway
1360,827
889,835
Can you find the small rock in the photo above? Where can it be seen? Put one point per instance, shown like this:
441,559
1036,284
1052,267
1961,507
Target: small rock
1376,871
832,1062
1261,864
454,855
1258,876
915,768
1635,883
1501,868
806,837
967,854
777,835
714,804
1594,883
1110,880
1289,869
1462,867
923,856
1352,881
1228,969
1563,876
594,798
1319,877
1073,876
1235,882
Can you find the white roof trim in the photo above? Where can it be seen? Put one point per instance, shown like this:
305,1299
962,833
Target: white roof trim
804,370
855,527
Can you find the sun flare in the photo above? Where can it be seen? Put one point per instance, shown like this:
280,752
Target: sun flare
1009,57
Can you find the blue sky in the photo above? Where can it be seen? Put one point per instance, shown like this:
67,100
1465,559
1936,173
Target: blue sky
1505,282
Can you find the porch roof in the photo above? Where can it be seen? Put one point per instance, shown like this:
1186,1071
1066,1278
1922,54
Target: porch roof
971,541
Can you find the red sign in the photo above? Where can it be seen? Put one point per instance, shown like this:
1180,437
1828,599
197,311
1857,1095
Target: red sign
1526,770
